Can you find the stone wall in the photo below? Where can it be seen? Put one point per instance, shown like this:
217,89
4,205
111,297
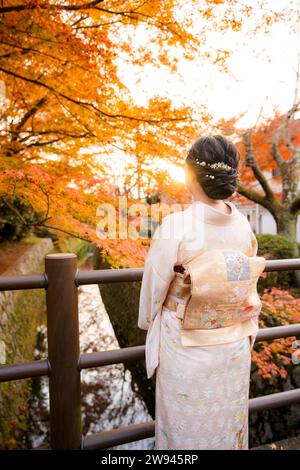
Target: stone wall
20,312
28,263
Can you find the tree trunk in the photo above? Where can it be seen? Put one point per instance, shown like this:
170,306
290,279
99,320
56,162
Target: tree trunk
287,227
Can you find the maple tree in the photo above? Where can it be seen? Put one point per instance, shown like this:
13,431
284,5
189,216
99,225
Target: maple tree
270,169
59,61
63,93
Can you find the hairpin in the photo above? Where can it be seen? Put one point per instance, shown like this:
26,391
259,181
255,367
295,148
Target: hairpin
216,165
220,165
210,176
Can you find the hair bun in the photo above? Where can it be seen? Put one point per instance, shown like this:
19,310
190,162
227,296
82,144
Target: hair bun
215,161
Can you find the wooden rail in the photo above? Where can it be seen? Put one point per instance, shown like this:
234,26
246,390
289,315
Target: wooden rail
64,363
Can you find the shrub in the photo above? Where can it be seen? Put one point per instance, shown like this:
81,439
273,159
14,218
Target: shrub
279,307
275,247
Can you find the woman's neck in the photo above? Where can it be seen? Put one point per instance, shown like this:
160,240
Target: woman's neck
215,203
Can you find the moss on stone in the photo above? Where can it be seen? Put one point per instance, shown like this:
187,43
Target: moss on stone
19,335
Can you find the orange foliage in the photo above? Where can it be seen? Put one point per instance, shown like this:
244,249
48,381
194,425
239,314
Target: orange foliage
261,140
279,307
59,63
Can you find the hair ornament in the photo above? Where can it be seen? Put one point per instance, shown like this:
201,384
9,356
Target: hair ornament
216,166
221,165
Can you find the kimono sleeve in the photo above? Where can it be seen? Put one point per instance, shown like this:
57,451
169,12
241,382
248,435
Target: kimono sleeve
158,273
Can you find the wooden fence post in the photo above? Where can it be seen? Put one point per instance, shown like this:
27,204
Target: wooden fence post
63,351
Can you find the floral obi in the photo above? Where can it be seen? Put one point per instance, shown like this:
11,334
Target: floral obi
216,289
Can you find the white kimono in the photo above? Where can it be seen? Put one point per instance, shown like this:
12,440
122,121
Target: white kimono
201,391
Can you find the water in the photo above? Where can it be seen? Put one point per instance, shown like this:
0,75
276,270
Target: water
109,397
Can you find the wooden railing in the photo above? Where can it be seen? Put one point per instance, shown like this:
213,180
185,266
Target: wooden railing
64,363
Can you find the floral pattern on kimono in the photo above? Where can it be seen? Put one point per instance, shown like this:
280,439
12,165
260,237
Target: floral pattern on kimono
201,391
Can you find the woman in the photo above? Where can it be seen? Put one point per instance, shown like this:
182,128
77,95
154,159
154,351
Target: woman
201,389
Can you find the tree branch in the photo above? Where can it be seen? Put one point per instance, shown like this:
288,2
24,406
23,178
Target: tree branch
258,198
252,163
13,209
32,134
41,224
64,231
27,116
295,205
281,162
51,6
89,106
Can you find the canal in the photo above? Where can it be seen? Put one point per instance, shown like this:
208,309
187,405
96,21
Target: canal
110,398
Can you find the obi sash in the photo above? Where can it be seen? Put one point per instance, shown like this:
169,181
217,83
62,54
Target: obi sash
215,290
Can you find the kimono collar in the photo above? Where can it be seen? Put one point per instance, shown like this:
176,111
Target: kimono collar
215,216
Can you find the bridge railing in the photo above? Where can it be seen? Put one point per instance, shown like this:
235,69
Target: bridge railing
61,280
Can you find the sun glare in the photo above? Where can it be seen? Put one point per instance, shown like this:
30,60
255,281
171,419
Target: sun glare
177,173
